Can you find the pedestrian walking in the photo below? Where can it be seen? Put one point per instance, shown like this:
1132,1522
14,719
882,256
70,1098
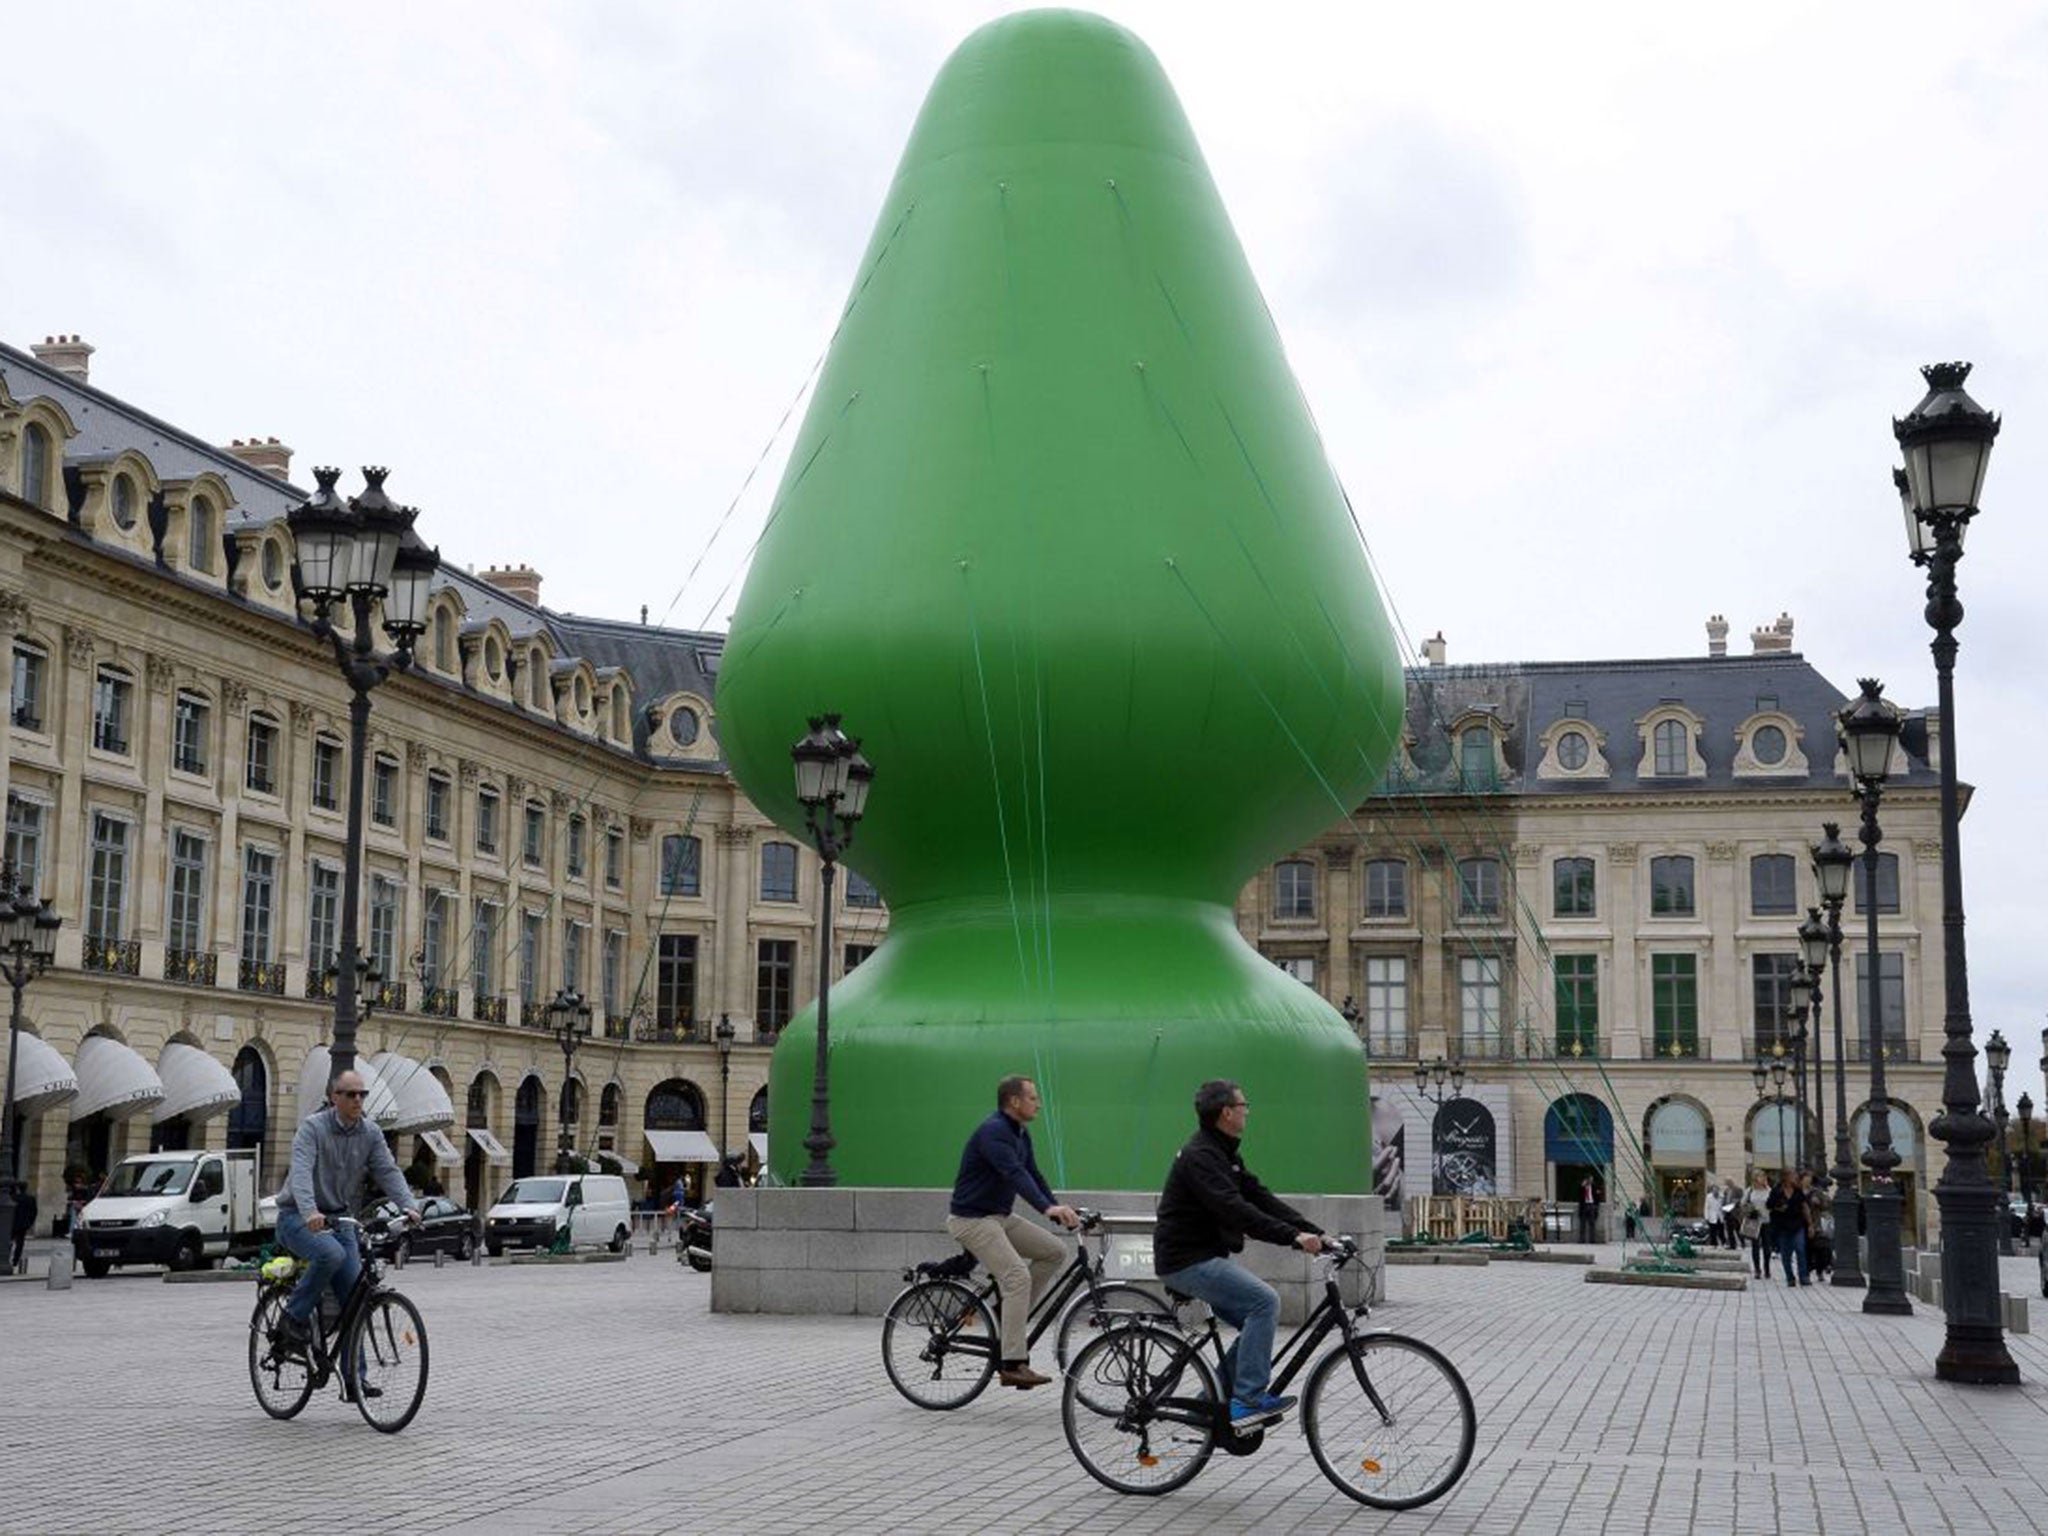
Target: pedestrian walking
1755,1211
24,1226
1712,1214
1589,1210
1820,1229
1731,1216
1788,1207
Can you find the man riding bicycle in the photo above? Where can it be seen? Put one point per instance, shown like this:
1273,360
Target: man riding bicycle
334,1150
1211,1203
996,1166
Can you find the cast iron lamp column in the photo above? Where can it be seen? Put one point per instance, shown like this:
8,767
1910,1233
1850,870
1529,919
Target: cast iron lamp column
352,556
1832,862
2026,1109
1946,440
1796,1048
1869,730
832,780
28,947
723,1034
568,1016
1769,1076
1813,955
1998,1056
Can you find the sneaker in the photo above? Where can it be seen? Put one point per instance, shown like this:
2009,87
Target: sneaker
1264,1406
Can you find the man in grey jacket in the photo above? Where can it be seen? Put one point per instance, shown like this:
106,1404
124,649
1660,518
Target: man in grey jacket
334,1150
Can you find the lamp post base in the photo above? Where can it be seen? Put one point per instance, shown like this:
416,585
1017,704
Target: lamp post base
1973,1350
1848,1269
1887,1293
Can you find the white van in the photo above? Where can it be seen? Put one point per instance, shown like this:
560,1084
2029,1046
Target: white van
184,1209
593,1207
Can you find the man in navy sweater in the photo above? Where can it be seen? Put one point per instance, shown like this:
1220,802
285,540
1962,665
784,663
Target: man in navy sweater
996,1167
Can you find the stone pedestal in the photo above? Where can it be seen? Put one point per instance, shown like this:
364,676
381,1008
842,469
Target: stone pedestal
843,1251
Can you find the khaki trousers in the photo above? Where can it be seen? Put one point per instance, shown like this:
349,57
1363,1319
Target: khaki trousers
1022,1257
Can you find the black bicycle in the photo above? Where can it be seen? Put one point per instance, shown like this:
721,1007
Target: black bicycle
940,1338
382,1362
1388,1418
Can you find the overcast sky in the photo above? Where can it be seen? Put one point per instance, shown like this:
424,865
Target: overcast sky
1604,312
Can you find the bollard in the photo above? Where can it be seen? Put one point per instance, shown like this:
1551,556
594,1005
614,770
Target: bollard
476,1256
60,1270
440,1258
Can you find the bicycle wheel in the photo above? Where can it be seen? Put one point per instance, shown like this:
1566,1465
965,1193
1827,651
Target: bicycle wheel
1117,1302
1410,1447
1137,1409
283,1382
939,1344
387,1351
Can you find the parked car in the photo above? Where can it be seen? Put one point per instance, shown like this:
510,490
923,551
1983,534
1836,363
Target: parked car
445,1227
184,1209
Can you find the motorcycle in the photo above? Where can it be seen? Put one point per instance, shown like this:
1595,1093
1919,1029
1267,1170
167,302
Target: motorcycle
693,1239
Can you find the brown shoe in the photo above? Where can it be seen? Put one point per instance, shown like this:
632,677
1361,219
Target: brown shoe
1022,1377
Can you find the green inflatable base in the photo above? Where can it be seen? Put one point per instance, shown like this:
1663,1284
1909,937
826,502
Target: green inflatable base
1118,1006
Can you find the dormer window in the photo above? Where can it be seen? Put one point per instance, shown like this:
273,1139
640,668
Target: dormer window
1669,746
683,726
1767,744
35,465
444,641
200,540
537,685
1475,757
1572,751
125,502
273,561
494,658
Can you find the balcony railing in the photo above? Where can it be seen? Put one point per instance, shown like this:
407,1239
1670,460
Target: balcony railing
191,967
1388,1044
1896,1049
386,995
261,976
115,957
617,1026
665,1029
319,982
489,1010
1676,1047
1578,1045
1483,1044
439,1002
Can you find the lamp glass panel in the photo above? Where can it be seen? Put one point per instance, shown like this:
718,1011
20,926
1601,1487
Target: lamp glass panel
1955,471
813,777
405,605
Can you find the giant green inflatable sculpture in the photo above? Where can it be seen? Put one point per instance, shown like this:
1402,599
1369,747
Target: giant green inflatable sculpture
1059,541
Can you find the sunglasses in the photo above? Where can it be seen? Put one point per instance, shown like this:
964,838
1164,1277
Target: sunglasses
351,1093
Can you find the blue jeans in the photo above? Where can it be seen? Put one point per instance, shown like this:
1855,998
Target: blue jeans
1248,1304
1790,1243
332,1256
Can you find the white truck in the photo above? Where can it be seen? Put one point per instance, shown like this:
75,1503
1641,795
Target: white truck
184,1209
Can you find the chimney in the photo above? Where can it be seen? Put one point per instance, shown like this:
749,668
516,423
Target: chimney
1434,650
69,355
1717,635
520,581
1774,638
265,454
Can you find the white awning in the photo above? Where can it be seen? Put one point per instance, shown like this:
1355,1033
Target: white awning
442,1148
422,1101
194,1084
43,1079
625,1165
758,1140
380,1106
682,1147
114,1081
492,1148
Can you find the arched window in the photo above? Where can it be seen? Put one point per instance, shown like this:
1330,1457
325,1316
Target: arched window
571,1107
676,1105
199,542
1671,886
1773,885
249,1119
1670,757
608,1105
1479,888
35,465
757,1113
682,865
1386,888
444,641
1475,757
1887,883
537,684
124,503
1571,888
477,1109
621,732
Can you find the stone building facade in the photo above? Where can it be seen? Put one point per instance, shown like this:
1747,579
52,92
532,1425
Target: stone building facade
1582,882
545,809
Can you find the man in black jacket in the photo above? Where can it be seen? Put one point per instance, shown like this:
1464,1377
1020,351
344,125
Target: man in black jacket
1211,1204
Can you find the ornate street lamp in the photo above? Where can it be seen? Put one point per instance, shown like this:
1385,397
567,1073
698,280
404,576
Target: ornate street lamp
2026,1109
723,1034
1795,1046
1869,729
568,1016
28,947
356,556
1769,1076
1946,440
1813,956
1832,863
1998,1056
832,781
1430,1078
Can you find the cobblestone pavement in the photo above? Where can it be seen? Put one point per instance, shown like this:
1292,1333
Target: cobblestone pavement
607,1398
